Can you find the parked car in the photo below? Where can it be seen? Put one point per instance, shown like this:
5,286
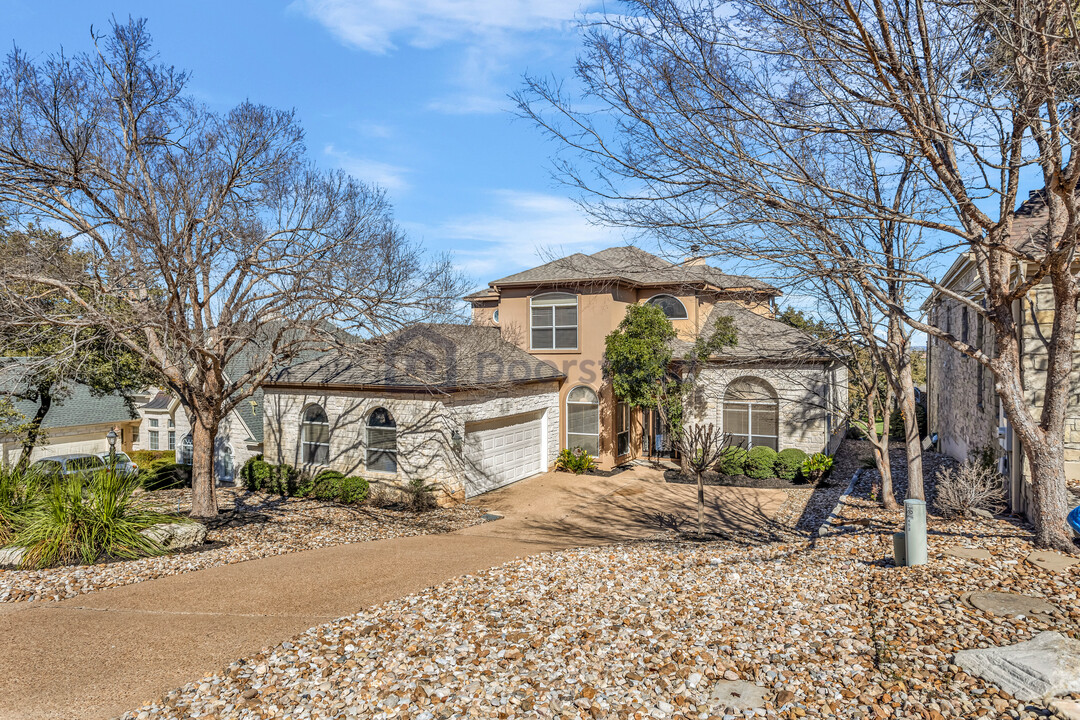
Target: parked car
124,464
80,465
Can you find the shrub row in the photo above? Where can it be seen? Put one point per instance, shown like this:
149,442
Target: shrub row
763,462
285,480
164,474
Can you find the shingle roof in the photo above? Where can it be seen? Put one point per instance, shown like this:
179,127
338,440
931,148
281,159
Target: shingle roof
73,406
759,338
1031,223
424,356
158,402
634,266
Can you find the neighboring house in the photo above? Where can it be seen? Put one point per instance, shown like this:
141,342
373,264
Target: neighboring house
164,426
963,408
77,422
526,379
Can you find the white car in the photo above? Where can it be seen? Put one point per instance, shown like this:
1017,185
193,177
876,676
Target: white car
124,465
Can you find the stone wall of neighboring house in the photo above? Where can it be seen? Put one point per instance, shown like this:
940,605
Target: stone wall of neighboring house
963,408
428,428
809,418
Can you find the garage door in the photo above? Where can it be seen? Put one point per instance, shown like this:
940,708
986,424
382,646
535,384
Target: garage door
499,452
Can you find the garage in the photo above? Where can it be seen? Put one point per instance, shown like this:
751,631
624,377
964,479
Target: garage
501,451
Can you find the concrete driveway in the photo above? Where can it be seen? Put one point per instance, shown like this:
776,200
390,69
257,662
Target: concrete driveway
100,654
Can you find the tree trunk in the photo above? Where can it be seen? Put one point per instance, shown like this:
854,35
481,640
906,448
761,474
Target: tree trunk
1050,500
880,447
915,489
701,504
33,430
203,489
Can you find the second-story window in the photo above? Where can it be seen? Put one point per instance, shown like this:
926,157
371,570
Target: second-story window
554,322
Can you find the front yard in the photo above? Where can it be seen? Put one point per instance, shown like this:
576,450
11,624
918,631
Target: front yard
251,525
820,627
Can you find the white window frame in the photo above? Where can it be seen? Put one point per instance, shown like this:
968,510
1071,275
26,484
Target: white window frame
306,442
368,450
553,300
154,442
685,315
773,405
570,444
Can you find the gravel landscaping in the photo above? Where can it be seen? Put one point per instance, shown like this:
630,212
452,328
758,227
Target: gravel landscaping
827,627
250,526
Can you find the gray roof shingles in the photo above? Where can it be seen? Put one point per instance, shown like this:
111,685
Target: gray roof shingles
425,356
760,338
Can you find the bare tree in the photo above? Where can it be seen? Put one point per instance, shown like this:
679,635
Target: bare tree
705,117
216,252
701,445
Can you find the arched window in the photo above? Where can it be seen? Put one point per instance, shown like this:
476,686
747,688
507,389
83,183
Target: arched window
583,420
671,306
751,413
381,441
315,436
187,450
554,322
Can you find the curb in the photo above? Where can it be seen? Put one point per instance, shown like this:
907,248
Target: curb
839,502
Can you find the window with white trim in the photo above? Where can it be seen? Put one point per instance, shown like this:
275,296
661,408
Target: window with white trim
187,450
315,436
381,434
583,420
553,321
671,306
752,413
154,442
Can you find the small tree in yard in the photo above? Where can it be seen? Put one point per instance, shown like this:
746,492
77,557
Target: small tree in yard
216,252
702,446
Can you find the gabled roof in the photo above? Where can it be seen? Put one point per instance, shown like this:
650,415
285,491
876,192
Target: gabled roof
1031,223
424,357
633,266
759,338
158,402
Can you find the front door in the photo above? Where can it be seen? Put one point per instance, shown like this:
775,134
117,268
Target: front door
656,442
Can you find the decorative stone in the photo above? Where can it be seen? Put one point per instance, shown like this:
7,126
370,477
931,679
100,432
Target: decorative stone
1003,603
1045,666
1051,560
966,553
1067,709
491,516
11,557
739,694
176,536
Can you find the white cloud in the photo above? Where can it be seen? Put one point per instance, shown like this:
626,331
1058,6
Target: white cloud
388,176
519,230
378,25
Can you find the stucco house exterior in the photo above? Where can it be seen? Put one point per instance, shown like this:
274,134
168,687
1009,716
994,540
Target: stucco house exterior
525,379
963,408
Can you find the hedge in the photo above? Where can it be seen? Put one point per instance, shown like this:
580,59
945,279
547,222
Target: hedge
760,462
733,461
164,474
788,463
145,457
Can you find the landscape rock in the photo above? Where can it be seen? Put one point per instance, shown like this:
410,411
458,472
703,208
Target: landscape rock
966,553
11,557
1045,666
1010,604
739,694
1066,709
176,536
1051,560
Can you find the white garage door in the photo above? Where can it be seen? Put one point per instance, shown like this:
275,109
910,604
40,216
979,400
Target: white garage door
499,452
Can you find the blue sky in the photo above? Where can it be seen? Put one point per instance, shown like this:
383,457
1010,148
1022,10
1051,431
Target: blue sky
411,94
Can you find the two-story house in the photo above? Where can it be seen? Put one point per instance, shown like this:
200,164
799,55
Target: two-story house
475,407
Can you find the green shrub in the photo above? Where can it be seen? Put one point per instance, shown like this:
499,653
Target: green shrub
145,457
760,462
19,493
327,485
164,474
732,461
788,463
576,461
102,519
284,480
255,473
816,467
353,490
896,423
420,495
258,475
